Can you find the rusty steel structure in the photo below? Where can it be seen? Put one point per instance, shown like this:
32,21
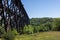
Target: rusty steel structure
13,15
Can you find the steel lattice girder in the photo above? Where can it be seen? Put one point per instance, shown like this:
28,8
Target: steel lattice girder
13,15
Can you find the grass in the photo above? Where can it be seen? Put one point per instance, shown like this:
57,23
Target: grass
40,36
0,39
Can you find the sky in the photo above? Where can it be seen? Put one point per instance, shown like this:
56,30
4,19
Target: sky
42,8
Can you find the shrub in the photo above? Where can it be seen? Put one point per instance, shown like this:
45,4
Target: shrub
28,29
36,29
45,27
2,31
10,35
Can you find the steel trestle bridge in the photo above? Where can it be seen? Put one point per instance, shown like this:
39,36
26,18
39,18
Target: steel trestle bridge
13,15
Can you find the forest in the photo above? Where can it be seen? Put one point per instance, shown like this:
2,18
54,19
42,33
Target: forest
46,24
36,25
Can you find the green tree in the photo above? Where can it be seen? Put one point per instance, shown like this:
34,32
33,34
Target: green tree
28,29
56,24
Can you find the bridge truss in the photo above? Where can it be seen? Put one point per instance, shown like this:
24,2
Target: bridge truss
13,15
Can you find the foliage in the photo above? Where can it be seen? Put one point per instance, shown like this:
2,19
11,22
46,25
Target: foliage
38,21
28,29
2,31
56,24
45,24
42,24
36,25
36,29
10,35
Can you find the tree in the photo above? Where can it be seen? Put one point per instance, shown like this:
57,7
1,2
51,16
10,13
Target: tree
56,24
28,29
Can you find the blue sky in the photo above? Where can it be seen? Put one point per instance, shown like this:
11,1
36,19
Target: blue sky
42,8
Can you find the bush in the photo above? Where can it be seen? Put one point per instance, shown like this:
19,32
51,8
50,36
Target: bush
28,29
36,29
2,31
45,27
10,35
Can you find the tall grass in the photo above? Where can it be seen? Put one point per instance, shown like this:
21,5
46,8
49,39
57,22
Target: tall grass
40,36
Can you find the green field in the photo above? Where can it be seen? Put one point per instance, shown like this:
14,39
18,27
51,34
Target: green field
0,39
40,36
